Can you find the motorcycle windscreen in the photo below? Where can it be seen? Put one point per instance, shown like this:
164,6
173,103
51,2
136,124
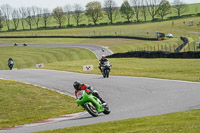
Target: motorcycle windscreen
80,93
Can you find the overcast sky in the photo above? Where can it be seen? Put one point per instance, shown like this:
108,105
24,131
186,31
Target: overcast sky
54,3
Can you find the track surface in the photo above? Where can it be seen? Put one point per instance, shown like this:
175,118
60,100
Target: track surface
128,97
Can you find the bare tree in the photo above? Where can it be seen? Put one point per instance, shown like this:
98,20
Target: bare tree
37,13
153,6
46,15
144,9
59,15
110,8
1,19
137,8
6,10
22,12
68,11
29,17
78,9
15,18
180,7
196,10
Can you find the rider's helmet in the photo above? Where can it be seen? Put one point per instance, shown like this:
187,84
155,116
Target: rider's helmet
77,85
103,57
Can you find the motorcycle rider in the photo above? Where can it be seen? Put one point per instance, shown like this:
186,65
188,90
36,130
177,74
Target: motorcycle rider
102,61
10,62
78,86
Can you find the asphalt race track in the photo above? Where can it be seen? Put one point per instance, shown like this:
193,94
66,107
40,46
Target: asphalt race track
128,97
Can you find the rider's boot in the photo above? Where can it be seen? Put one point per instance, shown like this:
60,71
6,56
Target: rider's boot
95,93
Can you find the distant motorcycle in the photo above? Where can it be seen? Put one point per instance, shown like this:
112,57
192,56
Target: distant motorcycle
15,44
91,103
11,64
106,69
24,44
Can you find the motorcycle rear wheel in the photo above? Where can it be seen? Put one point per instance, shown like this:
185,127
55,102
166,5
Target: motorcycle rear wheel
91,110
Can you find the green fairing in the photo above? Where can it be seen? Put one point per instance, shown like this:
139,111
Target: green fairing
89,99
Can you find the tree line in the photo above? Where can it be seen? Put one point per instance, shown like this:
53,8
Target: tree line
93,10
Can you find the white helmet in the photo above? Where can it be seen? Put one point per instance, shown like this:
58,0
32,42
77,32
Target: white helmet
103,57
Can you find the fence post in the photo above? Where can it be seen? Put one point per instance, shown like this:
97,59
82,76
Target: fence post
174,48
188,47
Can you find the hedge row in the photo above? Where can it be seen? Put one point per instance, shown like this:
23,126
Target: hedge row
156,54
127,37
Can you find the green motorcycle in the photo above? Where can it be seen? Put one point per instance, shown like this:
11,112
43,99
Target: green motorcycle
91,103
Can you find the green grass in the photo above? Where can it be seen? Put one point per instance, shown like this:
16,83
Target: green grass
183,122
23,103
176,69
117,45
118,30
25,57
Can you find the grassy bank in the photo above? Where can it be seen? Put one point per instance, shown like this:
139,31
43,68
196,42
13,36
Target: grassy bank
22,103
179,26
117,45
183,122
177,69
30,56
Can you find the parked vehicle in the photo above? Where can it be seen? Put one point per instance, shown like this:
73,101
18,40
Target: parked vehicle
91,103
169,35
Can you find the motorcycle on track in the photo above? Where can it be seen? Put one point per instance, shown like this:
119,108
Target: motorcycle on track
11,64
91,103
106,69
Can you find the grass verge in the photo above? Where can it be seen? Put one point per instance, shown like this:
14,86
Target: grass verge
176,69
182,122
23,103
25,57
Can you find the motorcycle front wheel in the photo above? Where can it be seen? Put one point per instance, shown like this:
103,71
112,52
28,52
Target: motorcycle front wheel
91,110
107,73
106,110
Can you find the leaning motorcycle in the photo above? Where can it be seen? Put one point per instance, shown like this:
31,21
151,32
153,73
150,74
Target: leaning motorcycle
91,103
106,69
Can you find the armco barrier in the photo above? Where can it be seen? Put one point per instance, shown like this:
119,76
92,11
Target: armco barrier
155,54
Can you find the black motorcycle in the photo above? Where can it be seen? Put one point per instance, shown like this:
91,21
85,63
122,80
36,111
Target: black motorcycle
106,69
